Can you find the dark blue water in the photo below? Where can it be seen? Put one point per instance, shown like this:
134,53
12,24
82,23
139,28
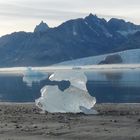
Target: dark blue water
107,87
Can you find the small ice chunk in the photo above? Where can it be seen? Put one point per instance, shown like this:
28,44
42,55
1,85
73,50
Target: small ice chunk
32,76
88,111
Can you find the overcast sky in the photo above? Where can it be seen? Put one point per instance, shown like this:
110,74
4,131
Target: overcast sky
16,15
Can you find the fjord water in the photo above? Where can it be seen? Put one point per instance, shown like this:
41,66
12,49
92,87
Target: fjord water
120,86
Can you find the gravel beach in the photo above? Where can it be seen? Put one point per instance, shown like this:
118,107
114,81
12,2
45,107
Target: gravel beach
27,122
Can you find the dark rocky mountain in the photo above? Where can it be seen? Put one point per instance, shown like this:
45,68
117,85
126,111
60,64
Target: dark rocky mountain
42,27
133,42
112,59
73,39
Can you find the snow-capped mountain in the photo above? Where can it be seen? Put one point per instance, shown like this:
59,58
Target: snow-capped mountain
123,57
77,38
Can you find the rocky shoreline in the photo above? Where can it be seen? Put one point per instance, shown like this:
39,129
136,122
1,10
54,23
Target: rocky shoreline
26,122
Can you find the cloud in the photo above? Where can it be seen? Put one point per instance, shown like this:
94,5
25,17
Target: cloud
58,11
62,9
24,11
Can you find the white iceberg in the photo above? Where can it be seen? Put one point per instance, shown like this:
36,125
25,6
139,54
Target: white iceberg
32,76
75,99
77,79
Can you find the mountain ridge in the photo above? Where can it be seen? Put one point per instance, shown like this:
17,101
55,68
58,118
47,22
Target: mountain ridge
73,39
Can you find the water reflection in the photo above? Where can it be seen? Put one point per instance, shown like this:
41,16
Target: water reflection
13,89
116,86
113,75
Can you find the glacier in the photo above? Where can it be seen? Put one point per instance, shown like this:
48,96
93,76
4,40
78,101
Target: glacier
74,99
33,76
128,57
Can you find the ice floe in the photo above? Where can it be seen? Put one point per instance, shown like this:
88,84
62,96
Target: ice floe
33,76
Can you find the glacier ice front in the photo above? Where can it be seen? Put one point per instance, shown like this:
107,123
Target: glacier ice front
74,99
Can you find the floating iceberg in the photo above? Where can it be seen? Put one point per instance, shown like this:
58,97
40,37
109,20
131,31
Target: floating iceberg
32,76
74,99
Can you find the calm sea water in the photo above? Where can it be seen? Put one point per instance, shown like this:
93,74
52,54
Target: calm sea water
107,87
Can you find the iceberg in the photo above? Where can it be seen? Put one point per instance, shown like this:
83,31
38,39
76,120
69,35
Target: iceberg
32,76
77,79
74,99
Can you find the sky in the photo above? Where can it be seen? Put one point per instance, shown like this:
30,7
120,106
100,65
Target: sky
24,15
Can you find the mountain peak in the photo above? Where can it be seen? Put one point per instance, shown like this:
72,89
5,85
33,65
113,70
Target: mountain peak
42,27
92,16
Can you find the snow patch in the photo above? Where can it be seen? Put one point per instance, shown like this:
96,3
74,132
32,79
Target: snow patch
74,30
129,32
